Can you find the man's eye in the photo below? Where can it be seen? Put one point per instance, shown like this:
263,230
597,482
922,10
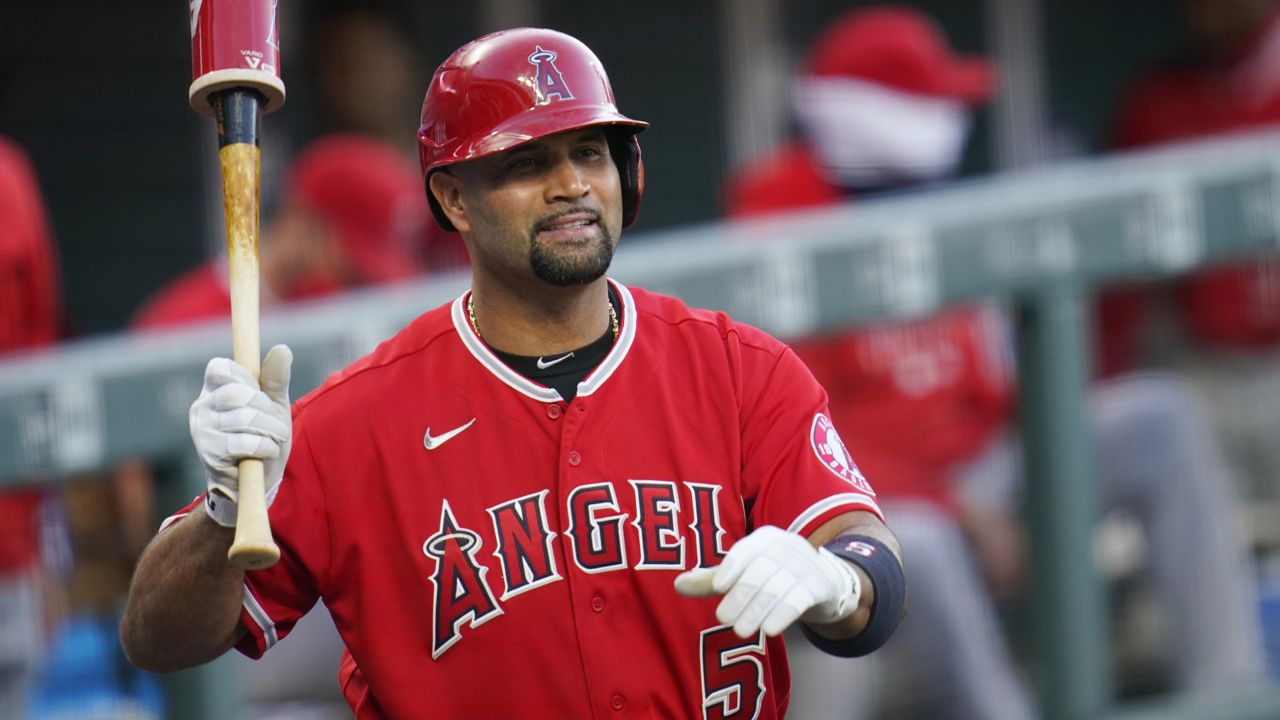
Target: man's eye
523,163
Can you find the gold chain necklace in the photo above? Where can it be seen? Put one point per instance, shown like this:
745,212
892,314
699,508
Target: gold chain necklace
471,315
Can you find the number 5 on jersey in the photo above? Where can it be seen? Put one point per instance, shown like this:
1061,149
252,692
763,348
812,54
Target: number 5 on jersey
732,674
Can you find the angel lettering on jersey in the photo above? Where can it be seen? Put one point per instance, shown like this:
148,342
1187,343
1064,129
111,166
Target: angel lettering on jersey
523,544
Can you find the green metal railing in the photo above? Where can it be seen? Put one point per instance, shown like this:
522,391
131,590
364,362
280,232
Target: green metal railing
1040,239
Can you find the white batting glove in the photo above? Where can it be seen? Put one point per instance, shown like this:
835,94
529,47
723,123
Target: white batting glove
237,417
770,579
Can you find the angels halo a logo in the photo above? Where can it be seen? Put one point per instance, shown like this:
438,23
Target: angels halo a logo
551,83
831,451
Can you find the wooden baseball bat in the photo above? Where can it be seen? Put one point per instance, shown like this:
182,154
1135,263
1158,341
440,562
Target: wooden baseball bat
239,115
235,71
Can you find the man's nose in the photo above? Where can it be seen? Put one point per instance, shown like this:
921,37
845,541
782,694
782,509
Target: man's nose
567,182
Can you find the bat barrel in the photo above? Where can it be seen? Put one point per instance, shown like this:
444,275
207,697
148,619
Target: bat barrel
238,114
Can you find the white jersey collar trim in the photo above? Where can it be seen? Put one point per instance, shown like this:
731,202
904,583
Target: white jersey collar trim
626,336
525,386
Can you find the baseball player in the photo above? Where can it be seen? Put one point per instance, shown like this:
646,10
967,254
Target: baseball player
556,496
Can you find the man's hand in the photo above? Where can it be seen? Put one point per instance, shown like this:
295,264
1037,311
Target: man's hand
237,417
770,579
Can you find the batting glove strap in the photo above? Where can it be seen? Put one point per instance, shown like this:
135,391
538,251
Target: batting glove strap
220,506
223,503
845,586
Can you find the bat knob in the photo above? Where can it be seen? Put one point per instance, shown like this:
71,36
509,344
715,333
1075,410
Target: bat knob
253,557
253,547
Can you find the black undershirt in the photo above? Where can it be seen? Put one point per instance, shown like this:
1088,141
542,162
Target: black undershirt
564,375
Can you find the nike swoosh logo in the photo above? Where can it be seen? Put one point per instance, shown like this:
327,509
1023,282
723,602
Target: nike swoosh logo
543,365
431,443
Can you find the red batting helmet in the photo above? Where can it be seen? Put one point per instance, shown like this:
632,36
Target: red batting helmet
514,86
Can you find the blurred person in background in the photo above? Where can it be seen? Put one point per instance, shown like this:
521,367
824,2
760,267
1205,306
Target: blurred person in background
1226,321
29,286
352,216
29,318
883,105
366,79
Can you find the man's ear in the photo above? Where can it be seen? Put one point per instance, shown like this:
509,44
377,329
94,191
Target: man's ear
446,188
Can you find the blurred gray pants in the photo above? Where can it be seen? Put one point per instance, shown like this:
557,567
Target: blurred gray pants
1159,461
1242,395
21,641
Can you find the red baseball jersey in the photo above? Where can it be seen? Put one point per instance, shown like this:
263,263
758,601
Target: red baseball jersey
488,550
917,398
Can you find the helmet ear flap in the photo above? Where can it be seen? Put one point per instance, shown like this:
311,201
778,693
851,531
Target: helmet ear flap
625,149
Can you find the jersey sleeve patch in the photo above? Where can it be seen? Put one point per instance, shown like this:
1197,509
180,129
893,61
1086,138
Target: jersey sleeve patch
833,455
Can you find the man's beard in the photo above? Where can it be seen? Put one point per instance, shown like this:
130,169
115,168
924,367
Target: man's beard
564,271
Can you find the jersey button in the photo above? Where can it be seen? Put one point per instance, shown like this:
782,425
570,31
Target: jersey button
617,702
553,411
597,603
575,458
